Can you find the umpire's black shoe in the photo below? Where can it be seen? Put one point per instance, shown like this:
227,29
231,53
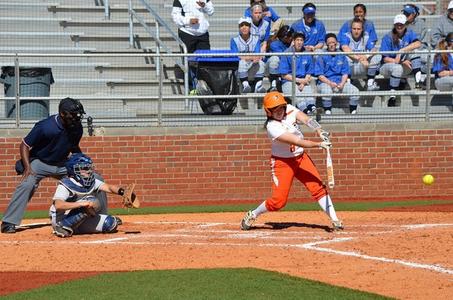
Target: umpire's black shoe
8,227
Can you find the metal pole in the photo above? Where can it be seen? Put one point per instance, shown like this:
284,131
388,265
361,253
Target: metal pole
428,86
17,87
186,80
131,26
106,9
160,94
293,73
157,47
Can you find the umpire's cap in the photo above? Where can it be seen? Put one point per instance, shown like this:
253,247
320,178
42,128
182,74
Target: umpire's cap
71,105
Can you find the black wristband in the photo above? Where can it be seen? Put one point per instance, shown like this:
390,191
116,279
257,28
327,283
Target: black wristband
121,191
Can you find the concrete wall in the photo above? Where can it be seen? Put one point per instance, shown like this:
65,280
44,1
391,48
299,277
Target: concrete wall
371,161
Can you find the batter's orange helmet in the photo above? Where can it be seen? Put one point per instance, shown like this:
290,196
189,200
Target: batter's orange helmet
271,100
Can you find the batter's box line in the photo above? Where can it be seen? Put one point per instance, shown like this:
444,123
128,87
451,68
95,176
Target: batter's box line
313,246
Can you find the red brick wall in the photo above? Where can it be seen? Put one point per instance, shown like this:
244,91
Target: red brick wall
378,165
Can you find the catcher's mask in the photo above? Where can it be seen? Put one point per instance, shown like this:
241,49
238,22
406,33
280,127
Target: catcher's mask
271,100
80,167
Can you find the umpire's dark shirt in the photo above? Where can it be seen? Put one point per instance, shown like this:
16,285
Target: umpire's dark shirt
51,143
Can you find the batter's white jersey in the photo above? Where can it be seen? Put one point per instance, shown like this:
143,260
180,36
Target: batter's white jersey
277,128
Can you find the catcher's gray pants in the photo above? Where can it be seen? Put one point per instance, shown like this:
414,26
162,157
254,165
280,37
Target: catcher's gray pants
358,70
249,69
348,88
25,190
396,71
444,83
301,101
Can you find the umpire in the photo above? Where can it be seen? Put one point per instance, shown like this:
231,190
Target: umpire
43,153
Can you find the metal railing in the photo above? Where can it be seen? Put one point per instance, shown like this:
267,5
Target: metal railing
162,115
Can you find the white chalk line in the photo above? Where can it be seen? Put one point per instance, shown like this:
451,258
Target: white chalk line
313,246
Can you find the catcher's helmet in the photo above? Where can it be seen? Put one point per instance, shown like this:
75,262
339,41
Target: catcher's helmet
271,100
80,167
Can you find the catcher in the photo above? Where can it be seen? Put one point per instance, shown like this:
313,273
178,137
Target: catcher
75,209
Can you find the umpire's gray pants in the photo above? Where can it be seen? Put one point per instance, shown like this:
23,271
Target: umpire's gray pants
301,101
25,190
348,88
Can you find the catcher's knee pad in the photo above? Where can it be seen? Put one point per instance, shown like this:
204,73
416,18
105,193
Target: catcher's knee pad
110,224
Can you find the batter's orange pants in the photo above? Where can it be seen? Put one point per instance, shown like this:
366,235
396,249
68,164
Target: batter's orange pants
283,172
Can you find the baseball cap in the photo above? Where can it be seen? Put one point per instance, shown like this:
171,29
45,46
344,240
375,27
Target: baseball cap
245,20
450,5
400,19
409,9
309,10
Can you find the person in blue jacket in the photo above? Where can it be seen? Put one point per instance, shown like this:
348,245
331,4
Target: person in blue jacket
313,29
304,67
278,43
333,76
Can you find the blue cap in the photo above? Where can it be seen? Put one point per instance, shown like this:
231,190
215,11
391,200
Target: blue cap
409,9
309,10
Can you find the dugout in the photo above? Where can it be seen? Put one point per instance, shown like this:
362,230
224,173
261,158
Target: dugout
33,82
217,75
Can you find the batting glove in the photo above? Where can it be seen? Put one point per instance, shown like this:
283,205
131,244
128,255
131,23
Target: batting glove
325,136
325,145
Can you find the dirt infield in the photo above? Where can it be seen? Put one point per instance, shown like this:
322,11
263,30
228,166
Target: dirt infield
407,255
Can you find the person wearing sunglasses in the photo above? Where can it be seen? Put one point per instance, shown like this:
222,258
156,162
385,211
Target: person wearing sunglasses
43,153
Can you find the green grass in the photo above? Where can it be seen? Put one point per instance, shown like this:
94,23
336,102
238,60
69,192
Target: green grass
219,284
312,206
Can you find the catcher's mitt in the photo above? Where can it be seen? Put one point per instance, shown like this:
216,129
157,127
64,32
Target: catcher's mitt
129,197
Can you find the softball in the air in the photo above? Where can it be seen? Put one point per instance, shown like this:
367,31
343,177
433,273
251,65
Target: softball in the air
428,179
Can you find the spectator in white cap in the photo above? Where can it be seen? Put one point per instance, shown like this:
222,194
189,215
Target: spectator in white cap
251,68
396,66
443,26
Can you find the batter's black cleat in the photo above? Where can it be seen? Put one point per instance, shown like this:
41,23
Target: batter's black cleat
8,227
62,231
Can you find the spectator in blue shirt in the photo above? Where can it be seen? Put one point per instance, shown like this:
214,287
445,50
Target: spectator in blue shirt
304,70
278,43
313,29
443,65
43,153
362,65
250,67
269,15
260,27
333,76
360,13
400,65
